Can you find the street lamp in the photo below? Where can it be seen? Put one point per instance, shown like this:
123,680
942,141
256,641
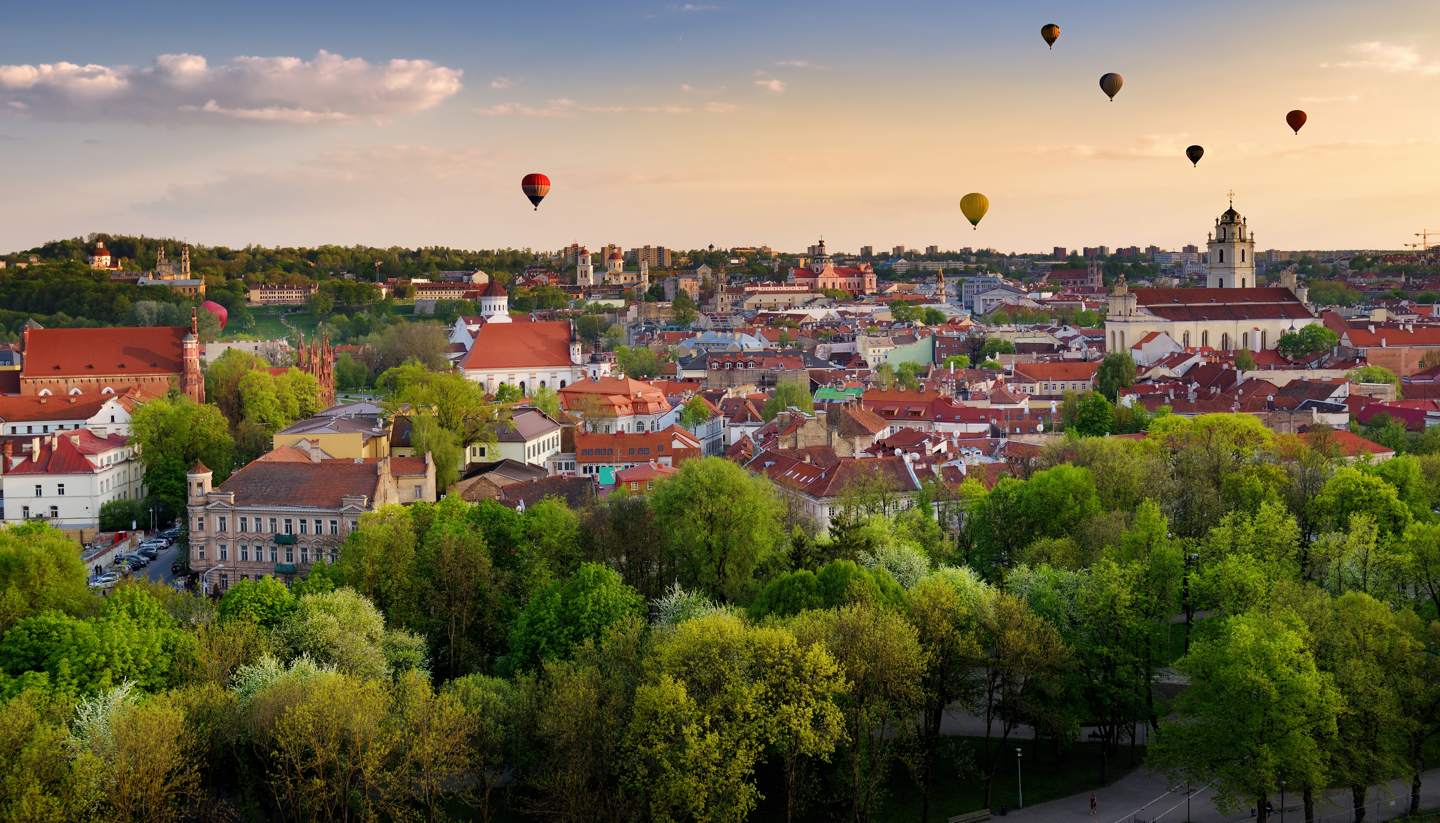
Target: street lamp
1019,783
1282,800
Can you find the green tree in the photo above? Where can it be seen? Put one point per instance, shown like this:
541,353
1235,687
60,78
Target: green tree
1351,491
957,362
1307,342
1092,415
350,374
1374,374
174,432
1116,372
122,515
785,396
721,522
1258,711
40,570
265,601
638,362
340,629
683,309
695,413
565,613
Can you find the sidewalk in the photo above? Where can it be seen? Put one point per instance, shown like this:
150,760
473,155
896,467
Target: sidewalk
1145,795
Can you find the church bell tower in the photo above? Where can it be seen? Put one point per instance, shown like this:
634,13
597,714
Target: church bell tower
1231,247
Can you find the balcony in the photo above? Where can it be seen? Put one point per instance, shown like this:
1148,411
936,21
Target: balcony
284,539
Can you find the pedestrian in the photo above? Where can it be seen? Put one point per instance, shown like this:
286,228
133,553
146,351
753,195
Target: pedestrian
1093,804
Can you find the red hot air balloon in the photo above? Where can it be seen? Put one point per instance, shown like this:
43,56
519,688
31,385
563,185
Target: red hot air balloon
536,186
218,310
1296,119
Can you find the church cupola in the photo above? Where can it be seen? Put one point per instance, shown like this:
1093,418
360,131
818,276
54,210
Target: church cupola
822,258
1231,247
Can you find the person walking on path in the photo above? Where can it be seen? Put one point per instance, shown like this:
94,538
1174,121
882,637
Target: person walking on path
1093,804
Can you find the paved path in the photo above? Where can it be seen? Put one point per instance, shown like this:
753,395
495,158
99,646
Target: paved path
1145,795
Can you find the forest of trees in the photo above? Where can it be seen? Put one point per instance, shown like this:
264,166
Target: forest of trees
702,653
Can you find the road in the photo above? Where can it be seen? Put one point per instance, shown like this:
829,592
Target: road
159,568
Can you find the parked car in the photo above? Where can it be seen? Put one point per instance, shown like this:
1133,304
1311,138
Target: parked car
178,567
101,581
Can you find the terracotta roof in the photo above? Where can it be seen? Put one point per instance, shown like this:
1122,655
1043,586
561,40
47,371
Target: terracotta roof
316,484
831,481
520,344
494,289
635,447
622,396
644,472
68,453
110,351
407,466
1058,371
1222,304
577,492
22,408
1346,442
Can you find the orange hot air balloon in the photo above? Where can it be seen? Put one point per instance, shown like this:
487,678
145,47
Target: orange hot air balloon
973,206
1195,153
536,186
1296,119
1051,33
1111,83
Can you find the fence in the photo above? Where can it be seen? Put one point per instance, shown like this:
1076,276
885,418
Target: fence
1178,805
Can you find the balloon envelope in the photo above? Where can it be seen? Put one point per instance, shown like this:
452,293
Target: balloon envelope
218,310
1110,83
1195,153
1296,119
536,186
973,206
1051,33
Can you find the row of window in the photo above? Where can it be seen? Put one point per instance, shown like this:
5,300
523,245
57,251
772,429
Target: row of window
222,524
244,551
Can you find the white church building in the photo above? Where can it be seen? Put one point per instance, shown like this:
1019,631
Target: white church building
1230,313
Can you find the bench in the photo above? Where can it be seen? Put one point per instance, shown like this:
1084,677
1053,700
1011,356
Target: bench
971,817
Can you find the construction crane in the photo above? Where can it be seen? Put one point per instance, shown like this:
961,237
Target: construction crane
1424,245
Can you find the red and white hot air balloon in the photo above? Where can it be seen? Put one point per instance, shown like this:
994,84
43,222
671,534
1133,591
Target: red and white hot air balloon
536,186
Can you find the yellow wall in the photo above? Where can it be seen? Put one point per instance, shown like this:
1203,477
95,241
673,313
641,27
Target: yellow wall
348,445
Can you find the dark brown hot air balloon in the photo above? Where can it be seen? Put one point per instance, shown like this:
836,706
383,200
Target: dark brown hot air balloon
535,186
1296,119
1051,33
1110,83
1195,153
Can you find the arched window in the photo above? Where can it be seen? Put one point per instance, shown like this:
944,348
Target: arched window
1186,340
1264,340
1244,337
1222,255
1242,255
1225,342
44,392
1205,339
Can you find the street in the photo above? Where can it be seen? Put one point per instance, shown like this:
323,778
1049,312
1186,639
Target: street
159,568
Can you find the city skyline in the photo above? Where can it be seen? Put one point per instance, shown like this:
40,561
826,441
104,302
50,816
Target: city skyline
689,124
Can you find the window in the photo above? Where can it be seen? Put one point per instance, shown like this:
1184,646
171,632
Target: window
223,524
200,524
274,555
1222,253
318,530
60,490
224,552
244,524
1242,255
304,554
244,553
335,527
289,554
272,525
54,512
25,512
37,490
200,553
419,490
302,525
332,555
289,527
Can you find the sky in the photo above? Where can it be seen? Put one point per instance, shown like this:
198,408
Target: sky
725,122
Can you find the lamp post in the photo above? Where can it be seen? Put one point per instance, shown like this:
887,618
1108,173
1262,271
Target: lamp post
1282,800
1019,783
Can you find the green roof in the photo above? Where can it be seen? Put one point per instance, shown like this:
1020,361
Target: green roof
827,393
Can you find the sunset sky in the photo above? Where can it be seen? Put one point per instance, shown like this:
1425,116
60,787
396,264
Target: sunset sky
718,121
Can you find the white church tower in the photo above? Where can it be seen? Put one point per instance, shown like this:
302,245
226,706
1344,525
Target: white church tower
584,268
1232,253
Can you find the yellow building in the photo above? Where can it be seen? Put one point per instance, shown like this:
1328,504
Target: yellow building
351,431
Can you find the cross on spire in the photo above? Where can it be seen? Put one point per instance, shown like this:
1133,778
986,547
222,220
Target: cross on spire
1231,194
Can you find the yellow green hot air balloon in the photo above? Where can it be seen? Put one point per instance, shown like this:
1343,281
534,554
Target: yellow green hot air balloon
973,206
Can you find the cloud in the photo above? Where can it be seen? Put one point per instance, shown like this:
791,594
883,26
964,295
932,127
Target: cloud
1338,98
771,84
501,83
327,88
1146,147
694,8
1393,58
565,107
798,64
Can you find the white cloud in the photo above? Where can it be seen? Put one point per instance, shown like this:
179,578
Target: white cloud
502,83
1394,58
1338,98
798,64
694,8
1145,147
771,84
324,89
565,107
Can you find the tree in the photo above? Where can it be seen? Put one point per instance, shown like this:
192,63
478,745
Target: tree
638,362
264,601
1307,342
683,310
174,432
1375,374
1244,360
460,406
1116,372
508,393
546,400
565,613
222,379
426,343
45,779
957,362
1351,491
122,515
427,436
786,396
721,522
695,413
340,629
350,374
1258,711
994,346
1092,415
39,571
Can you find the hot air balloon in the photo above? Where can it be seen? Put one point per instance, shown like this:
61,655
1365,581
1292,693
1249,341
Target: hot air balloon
973,206
218,310
536,186
1051,33
1110,83
1195,153
1296,119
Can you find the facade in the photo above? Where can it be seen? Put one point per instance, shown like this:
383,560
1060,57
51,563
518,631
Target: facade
531,437
601,455
68,476
281,294
283,512
1231,313
822,273
816,491
1055,378
102,362
352,431
529,355
617,404
23,415
317,359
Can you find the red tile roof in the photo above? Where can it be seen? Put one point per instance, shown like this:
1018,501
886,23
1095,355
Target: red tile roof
635,447
1222,304
22,408
520,344
317,484
68,453
1057,371
110,351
